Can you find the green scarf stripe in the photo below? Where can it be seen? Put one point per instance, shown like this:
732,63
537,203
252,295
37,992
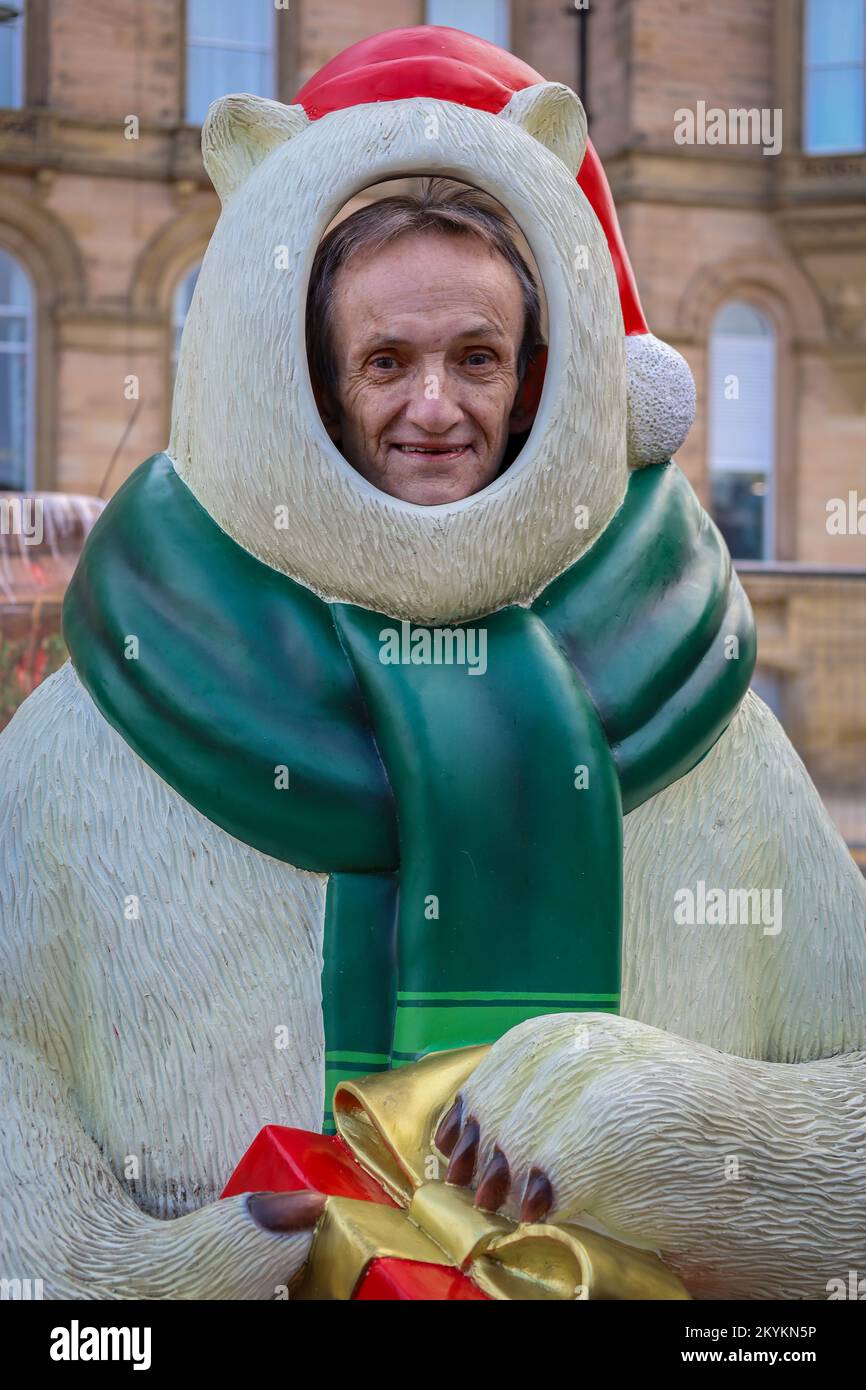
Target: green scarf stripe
510,1002
359,1067
477,996
418,1031
361,1058
239,672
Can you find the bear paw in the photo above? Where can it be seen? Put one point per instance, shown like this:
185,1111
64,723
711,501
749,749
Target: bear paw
716,1162
558,1115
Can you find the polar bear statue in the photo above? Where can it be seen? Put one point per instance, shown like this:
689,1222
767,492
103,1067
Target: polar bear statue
151,953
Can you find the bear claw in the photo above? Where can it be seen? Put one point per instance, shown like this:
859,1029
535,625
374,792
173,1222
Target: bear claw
461,1165
286,1211
494,1183
448,1128
537,1196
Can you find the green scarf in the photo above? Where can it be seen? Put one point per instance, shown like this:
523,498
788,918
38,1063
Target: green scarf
470,823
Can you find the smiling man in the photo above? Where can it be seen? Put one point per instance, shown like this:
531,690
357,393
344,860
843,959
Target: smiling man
423,325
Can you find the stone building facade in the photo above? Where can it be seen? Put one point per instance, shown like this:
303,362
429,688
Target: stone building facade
106,207
733,136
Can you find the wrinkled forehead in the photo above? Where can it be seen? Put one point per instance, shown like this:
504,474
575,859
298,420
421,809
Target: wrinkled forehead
422,289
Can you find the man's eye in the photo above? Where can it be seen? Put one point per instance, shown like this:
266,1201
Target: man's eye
479,359
384,363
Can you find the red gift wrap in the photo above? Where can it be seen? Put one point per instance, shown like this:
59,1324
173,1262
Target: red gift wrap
295,1160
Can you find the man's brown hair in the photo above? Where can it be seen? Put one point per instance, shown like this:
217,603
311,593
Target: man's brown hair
441,205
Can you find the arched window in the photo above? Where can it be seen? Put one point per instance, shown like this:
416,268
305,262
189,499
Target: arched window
16,376
180,303
229,48
488,19
742,429
834,76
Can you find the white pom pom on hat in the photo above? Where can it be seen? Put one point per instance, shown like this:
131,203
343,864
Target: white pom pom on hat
661,399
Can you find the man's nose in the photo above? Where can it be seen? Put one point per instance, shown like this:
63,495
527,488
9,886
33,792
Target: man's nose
433,404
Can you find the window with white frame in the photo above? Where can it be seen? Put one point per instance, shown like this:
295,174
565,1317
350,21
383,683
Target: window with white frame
12,53
16,376
487,19
180,303
742,429
230,48
834,76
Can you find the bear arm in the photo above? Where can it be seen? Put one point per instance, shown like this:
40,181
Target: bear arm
64,1216
68,1221
746,1176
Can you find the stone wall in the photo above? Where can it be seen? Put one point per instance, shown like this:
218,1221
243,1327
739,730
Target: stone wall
812,671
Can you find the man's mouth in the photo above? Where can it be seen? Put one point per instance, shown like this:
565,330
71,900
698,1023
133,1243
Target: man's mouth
439,451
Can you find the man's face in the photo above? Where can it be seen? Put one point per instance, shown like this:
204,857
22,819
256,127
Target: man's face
426,337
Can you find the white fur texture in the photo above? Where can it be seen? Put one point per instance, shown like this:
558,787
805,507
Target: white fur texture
747,816
152,1037
246,434
661,400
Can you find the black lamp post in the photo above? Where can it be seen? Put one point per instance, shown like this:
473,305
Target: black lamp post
581,14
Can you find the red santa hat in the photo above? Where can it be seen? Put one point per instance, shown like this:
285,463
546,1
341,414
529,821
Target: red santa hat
450,65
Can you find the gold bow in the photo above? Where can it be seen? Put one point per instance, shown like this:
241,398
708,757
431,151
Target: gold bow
388,1121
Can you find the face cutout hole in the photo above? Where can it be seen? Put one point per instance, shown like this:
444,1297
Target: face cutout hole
426,328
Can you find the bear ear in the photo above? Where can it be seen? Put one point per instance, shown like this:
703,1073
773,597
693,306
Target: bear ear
239,131
553,114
